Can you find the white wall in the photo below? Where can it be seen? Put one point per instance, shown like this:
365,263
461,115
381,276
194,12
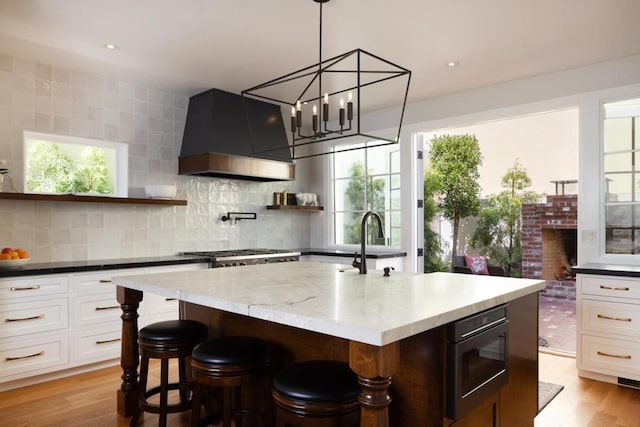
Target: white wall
45,98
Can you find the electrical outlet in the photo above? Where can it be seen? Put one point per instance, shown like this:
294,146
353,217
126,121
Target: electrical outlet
588,236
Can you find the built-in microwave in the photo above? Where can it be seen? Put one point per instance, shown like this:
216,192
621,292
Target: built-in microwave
477,359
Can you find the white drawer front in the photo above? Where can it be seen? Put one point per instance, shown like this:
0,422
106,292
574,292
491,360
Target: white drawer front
94,344
36,355
35,316
100,281
158,304
609,286
615,357
33,286
90,309
610,317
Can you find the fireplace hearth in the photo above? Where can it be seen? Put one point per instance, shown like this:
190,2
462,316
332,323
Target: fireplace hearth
549,244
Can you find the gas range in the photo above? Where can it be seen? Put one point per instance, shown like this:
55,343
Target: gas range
236,257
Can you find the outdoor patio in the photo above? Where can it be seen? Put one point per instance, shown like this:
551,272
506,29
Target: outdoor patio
557,324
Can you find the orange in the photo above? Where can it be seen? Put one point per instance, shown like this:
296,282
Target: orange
5,256
23,254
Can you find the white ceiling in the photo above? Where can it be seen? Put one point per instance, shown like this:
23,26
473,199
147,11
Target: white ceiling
193,45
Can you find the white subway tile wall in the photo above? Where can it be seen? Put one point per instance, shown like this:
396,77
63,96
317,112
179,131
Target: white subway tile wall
41,97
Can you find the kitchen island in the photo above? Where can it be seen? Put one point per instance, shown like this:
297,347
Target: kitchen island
391,330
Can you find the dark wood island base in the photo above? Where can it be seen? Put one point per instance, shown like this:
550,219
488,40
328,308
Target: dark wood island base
403,383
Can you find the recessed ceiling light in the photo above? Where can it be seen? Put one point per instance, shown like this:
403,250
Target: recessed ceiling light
452,64
110,46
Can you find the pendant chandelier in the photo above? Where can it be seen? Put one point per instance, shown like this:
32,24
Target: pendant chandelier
326,101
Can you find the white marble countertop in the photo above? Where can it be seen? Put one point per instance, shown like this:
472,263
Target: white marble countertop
318,297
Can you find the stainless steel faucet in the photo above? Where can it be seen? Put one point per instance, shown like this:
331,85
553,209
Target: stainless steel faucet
362,264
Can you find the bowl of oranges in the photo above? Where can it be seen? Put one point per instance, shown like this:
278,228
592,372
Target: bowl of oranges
11,258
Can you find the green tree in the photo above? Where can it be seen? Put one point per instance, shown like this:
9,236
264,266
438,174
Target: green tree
454,163
432,249
50,169
92,172
498,231
363,193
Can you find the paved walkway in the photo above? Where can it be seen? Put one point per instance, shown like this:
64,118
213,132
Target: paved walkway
557,324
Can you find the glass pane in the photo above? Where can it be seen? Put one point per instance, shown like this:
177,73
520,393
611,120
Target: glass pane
377,193
57,167
347,228
350,194
618,216
620,162
395,237
617,134
395,181
619,241
395,199
619,187
377,160
344,163
395,161
395,218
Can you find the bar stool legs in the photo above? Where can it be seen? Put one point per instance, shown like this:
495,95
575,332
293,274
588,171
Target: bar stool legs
174,339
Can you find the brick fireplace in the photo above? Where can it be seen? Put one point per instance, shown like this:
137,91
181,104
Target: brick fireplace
549,243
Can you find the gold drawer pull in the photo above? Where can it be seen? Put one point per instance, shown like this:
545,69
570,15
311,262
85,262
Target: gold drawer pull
620,319
618,356
107,341
9,359
613,288
170,299
104,281
27,288
39,316
110,307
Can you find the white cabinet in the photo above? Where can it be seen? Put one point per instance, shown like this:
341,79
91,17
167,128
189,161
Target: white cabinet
68,322
608,314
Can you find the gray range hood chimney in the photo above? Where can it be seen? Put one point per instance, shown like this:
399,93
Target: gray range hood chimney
218,141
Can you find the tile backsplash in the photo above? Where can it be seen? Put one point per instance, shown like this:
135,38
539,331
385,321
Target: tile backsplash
43,98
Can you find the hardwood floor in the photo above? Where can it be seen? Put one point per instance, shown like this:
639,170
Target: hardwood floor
89,400
583,402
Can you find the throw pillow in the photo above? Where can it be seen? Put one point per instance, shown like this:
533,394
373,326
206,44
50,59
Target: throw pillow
477,264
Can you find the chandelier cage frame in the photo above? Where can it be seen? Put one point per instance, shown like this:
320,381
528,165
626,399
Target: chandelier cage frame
314,73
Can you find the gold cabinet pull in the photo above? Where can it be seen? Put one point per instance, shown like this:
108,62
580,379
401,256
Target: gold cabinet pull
617,356
107,341
619,319
39,316
9,359
104,281
26,288
109,307
613,288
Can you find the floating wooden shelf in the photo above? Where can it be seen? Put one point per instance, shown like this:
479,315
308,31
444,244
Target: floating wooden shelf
92,199
295,207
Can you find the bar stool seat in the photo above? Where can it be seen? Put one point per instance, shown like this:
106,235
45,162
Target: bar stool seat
317,393
172,339
229,363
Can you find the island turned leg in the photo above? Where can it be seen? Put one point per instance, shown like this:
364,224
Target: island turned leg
374,366
129,300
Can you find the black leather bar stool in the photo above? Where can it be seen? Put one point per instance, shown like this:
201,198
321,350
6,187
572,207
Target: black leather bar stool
317,393
173,339
229,363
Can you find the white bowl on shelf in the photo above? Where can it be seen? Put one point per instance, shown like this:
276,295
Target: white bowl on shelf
13,263
160,191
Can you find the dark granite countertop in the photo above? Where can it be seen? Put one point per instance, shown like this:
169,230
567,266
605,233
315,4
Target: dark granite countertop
371,253
608,269
97,265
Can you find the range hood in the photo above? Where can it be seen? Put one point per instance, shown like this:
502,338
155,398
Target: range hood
229,136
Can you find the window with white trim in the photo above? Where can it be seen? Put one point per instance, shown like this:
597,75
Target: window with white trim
362,180
56,164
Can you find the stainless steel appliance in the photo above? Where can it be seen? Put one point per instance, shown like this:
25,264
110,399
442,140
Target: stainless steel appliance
236,257
477,359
